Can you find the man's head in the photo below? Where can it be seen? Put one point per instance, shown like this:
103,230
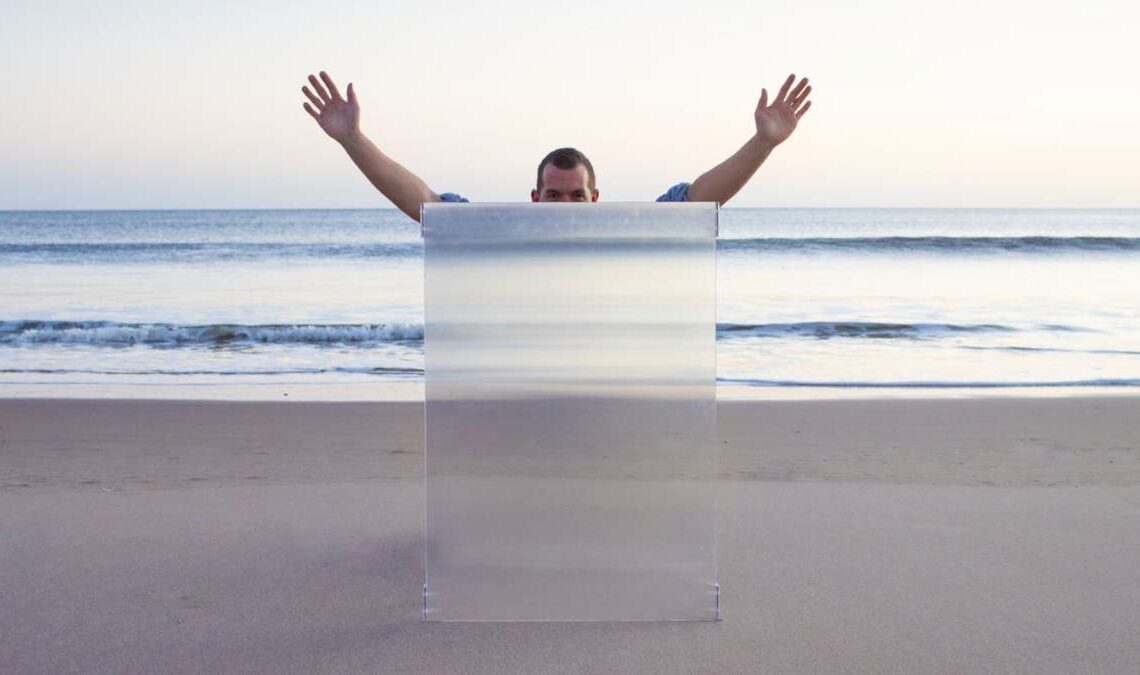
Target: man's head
565,175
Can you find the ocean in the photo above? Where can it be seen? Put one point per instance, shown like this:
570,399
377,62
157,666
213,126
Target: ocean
328,304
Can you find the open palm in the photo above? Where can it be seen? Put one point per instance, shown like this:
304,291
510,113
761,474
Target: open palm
338,117
775,122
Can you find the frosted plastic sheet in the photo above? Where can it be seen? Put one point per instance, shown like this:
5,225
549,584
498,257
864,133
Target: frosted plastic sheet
570,383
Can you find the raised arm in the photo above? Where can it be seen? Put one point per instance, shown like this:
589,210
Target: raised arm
774,124
340,119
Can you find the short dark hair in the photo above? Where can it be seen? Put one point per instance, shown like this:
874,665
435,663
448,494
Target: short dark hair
566,158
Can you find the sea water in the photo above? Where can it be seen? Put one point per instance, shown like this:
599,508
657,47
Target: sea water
329,304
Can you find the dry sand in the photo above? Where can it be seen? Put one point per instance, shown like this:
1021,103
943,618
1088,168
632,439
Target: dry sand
965,535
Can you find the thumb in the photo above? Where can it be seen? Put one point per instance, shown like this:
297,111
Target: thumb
763,98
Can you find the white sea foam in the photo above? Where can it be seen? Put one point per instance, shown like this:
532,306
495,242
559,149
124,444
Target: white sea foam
112,334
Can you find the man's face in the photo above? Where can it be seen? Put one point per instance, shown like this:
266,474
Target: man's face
564,185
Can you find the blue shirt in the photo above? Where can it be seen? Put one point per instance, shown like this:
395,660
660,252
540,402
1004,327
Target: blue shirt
677,193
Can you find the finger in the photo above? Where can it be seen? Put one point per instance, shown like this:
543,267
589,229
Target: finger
319,89
330,84
316,101
799,90
351,94
309,109
763,98
803,110
780,97
801,97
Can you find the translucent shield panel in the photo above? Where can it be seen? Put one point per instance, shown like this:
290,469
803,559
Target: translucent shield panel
570,378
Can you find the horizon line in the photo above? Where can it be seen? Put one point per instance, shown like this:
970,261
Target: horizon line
730,207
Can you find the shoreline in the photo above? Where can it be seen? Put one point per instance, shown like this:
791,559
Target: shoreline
413,391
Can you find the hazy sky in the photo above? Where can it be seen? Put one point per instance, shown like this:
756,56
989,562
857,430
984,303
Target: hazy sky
122,104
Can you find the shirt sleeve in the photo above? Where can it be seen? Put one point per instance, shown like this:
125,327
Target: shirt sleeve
452,197
677,193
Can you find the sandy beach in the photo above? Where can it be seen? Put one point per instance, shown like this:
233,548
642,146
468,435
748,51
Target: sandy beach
888,536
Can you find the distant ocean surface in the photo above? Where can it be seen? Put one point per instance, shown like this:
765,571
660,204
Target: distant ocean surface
329,304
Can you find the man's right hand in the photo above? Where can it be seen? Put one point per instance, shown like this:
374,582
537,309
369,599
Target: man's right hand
339,118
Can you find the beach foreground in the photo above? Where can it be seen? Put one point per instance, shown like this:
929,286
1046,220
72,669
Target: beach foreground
963,535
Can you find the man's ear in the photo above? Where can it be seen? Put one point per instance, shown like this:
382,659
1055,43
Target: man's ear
594,196
534,195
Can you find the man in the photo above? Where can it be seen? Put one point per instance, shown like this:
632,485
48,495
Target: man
565,174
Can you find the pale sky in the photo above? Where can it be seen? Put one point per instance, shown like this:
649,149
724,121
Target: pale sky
132,104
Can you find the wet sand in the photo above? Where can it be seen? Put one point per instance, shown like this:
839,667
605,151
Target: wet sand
962,535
